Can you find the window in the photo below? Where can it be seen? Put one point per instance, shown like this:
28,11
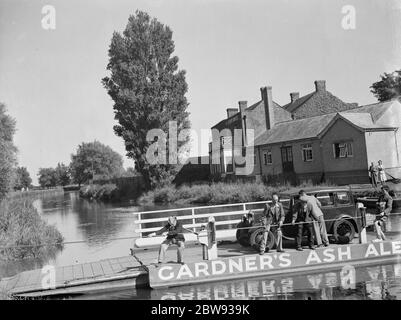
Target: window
343,198
307,154
325,198
343,149
267,157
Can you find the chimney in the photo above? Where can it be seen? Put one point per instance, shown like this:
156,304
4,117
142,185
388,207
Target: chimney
242,107
294,96
320,85
231,112
267,98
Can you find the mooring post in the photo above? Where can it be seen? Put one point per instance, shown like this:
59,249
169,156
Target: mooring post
362,232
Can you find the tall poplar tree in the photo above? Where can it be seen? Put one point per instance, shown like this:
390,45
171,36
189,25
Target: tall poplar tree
148,91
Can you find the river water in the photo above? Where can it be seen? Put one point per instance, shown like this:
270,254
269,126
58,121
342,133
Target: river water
97,226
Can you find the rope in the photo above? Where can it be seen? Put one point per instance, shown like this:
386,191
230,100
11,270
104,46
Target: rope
133,237
292,224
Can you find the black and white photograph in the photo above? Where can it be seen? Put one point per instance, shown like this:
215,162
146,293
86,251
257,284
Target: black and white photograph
201,150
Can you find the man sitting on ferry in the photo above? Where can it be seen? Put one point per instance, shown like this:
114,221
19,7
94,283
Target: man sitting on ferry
174,231
385,204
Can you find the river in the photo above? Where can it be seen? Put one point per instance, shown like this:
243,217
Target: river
96,227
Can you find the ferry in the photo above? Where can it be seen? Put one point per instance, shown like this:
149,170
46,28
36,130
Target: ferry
233,260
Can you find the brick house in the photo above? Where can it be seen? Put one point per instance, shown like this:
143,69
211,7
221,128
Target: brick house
337,142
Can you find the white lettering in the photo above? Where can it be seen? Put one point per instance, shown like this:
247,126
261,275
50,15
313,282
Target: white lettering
215,263
169,276
201,267
329,255
313,257
233,264
346,253
250,263
382,251
184,271
265,261
396,247
371,250
284,260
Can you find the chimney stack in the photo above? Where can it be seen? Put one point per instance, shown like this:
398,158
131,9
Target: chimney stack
294,96
231,112
267,98
242,107
320,85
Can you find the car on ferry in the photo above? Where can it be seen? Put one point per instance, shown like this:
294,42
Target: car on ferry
341,214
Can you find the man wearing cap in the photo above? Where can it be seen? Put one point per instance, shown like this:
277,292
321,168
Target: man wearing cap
174,231
313,206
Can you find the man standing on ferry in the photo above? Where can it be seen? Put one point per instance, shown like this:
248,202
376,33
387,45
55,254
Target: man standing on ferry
273,219
314,208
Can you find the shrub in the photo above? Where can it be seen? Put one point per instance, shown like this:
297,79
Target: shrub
215,193
105,192
23,233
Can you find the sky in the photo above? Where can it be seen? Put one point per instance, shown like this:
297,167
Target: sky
50,80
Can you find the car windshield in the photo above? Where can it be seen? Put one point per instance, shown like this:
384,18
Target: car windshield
325,198
343,197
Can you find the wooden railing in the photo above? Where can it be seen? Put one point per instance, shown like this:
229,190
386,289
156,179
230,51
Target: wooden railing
227,216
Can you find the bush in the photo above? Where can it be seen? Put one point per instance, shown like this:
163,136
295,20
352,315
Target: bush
23,233
105,192
215,193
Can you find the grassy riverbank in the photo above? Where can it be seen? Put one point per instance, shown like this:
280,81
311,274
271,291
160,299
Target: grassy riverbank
23,233
215,193
36,194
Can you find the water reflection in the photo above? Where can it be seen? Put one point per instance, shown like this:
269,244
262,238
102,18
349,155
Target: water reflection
379,282
96,224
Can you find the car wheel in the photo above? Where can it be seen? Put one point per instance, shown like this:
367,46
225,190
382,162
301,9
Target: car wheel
257,237
242,238
344,231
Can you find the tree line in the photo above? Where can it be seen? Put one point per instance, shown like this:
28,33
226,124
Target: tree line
91,161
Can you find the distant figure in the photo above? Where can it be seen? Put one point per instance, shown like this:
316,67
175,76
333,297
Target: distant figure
381,172
385,205
273,218
373,175
301,216
313,206
174,231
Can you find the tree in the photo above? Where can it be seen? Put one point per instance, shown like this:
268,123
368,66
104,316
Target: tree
148,91
47,177
22,179
62,172
8,151
95,159
389,87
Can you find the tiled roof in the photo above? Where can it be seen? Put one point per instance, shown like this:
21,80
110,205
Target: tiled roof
376,110
279,114
324,102
363,118
295,130
292,106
